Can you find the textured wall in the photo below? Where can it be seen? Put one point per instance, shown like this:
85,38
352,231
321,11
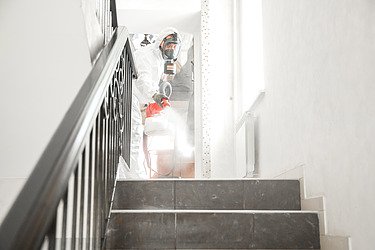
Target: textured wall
44,60
319,109
204,93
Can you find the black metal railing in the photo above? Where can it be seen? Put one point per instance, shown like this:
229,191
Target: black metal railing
65,203
106,14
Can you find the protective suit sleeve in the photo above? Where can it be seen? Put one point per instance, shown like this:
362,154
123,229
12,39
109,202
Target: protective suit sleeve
144,82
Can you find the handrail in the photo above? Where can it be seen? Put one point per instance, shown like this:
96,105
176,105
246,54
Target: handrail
250,111
248,119
92,114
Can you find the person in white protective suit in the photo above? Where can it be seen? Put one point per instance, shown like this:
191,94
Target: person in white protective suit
153,63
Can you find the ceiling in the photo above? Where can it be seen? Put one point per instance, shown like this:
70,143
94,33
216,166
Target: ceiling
150,16
189,6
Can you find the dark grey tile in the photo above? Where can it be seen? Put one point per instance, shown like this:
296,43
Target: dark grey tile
286,230
163,248
272,194
144,195
214,230
209,194
141,231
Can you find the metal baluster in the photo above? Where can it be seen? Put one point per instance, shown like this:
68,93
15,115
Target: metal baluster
104,175
64,219
127,106
130,82
127,109
105,171
110,154
82,200
74,219
117,133
113,158
109,190
69,206
116,142
110,147
128,90
98,184
86,208
90,189
117,127
113,139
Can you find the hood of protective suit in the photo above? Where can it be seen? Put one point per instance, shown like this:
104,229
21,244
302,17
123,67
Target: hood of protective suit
165,32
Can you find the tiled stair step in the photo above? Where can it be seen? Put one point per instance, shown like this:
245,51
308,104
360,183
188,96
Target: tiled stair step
250,194
215,229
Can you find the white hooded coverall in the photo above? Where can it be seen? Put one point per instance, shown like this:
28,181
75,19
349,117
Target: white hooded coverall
150,67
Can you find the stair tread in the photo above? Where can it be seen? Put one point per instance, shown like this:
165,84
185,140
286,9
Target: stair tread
210,211
211,214
208,194
214,230
208,180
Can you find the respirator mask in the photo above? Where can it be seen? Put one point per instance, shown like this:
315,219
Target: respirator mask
170,48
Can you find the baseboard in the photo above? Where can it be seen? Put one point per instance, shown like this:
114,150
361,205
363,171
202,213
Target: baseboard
316,204
328,242
293,173
331,242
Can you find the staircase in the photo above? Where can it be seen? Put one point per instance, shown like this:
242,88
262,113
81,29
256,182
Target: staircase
210,214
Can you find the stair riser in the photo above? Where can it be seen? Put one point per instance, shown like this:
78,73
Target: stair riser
208,195
213,230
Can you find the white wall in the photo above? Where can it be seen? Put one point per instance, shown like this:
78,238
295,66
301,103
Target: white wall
220,88
319,109
44,60
248,66
95,36
250,54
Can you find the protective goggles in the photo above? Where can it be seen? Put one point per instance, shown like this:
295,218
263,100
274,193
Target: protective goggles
170,46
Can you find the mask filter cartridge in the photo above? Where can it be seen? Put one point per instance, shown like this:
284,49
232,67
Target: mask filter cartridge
170,67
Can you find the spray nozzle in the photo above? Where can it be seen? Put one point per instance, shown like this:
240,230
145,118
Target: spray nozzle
165,102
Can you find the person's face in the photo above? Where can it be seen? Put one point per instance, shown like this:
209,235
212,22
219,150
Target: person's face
171,48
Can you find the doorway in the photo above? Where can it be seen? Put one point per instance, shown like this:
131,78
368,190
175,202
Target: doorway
169,147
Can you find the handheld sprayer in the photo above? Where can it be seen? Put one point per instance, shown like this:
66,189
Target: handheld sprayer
154,108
